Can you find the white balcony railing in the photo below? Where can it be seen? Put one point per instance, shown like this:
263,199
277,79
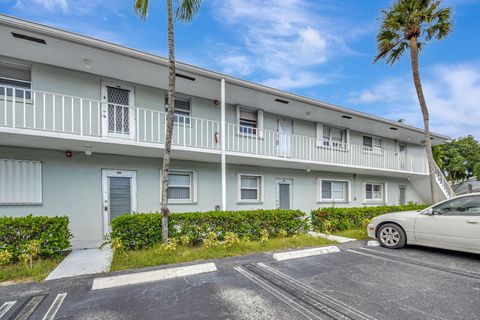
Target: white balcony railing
63,114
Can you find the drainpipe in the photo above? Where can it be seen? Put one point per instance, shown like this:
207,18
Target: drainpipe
223,137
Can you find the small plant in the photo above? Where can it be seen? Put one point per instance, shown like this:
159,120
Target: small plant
282,233
365,223
170,246
327,227
5,257
211,240
30,252
117,245
264,236
231,239
185,240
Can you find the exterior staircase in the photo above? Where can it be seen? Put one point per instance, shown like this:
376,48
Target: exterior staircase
443,183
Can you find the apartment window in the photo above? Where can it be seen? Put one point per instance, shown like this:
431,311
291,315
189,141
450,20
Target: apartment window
334,137
181,186
250,188
248,121
372,143
14,77
183,110
374,192
332,190
20,182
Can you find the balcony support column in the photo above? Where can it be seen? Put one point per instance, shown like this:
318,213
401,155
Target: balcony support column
223,137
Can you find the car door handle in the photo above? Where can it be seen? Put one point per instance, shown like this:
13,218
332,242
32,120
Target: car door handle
473,222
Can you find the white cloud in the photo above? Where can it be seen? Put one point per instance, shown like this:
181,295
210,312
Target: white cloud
283,40
74,7
49,5
452,93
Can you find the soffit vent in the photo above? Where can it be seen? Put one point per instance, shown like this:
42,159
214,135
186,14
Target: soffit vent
185,76
28,38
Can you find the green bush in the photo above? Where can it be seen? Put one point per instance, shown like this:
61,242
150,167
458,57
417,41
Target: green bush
51,233
144,229
340,219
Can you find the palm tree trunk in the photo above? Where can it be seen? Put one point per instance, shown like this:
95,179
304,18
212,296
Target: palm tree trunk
426,116
170,109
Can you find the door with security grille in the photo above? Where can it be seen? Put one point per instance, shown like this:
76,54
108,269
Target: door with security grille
118,112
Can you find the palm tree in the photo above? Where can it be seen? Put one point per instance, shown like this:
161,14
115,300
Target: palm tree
185,11
410,24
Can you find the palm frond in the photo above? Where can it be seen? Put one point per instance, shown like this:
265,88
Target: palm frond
186,9
141,8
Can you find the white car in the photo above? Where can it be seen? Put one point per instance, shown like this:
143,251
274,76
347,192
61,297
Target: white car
452,224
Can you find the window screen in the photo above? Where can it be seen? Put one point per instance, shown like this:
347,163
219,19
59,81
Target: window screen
15,78
180,185
182,110
250,188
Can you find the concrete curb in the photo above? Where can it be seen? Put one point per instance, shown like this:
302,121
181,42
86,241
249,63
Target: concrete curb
373,243
151,276
304,253
338,239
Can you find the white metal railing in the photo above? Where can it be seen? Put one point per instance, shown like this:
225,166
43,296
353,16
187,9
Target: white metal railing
443,183
274,144
57,113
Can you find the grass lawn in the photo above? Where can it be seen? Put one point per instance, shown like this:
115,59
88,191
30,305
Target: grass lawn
359,234
153,257
19,273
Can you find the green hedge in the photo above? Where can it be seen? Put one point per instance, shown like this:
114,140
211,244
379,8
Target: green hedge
339,219
51,232
144,229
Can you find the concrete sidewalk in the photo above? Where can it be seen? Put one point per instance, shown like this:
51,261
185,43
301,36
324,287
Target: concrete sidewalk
83,262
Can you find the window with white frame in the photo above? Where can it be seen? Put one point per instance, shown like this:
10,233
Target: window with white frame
372,143
334,137
333,190
183,110
15,77
181,184
250,188
20,182
248,121
374,192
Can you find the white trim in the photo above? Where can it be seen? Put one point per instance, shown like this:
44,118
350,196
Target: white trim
374,201
260,192
106,173
279,181
320,199
132,121
193,187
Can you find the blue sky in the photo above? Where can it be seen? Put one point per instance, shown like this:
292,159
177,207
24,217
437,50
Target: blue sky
321,49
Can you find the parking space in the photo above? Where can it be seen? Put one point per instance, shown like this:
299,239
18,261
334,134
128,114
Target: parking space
358,282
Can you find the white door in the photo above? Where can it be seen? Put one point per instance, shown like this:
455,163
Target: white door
285,131
454,224
284,193
119,188
118,114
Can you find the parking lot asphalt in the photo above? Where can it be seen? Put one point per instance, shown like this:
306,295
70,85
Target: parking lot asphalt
359,282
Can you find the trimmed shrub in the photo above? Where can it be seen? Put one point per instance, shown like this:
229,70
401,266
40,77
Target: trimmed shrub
340,219
144,229
51,234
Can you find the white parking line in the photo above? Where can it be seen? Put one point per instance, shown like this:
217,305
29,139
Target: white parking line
276,293
29,308
52,311
5,307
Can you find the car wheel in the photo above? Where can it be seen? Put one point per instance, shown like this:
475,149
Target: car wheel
392,236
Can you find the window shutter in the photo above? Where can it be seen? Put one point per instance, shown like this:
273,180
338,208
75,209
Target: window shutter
20,182
347,136
15,72
319,134
385,193
260,123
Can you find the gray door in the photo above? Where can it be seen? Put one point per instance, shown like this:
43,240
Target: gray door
284,193
120,196
402,195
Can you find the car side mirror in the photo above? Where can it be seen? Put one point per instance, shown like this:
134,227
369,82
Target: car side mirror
430,212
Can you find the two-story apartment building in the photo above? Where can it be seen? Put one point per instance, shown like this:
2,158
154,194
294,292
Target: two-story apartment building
82,132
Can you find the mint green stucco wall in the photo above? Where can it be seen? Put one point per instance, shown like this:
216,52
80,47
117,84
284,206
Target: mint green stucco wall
73,187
